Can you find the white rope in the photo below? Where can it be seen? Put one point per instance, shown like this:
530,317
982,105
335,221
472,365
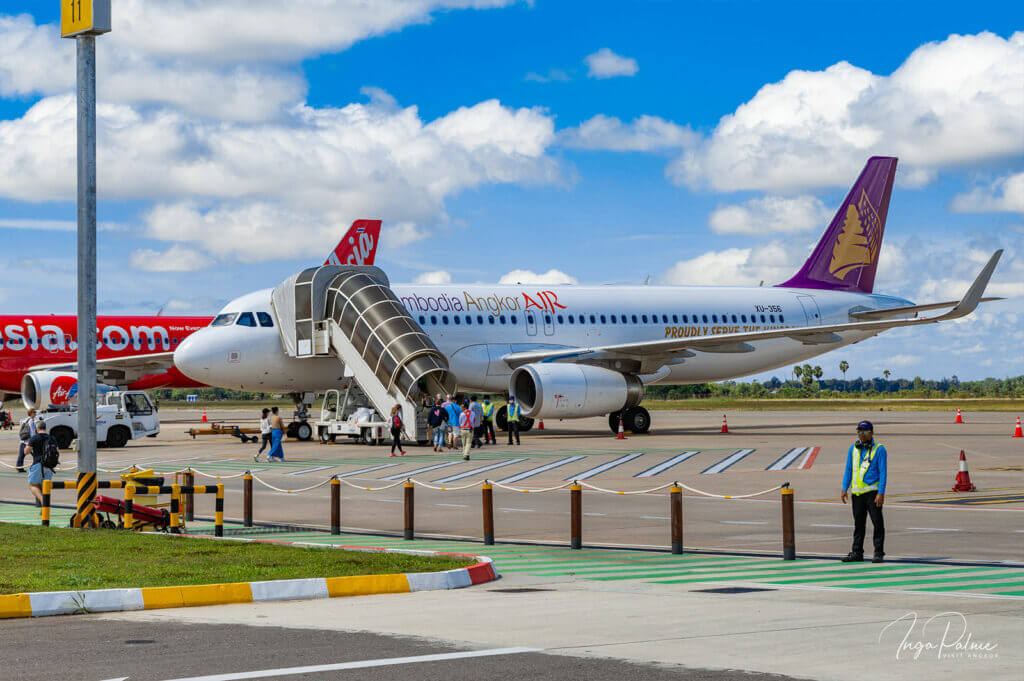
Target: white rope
371,489
446,489
530,491
639,491
730,496
208,475
290,491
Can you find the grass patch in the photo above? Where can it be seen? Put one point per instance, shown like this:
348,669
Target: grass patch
836,404
34,558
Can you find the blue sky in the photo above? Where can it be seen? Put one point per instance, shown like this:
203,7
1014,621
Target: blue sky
704,142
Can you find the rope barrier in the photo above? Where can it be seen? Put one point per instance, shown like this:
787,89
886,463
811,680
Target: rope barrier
371,489
639,491
531,491
446,489
290,491
729,496
207,475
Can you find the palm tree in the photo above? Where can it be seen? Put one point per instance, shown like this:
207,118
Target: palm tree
797,371
818,372
886,374
843,366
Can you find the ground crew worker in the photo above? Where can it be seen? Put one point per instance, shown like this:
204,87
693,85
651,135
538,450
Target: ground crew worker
489,422
513,419
864,477
478,421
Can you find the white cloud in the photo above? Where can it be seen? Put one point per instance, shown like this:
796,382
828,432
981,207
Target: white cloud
951,102
552,75
436,277
769,214
1004,195
606,64
33,224
174,259
646,133
552,276
770,263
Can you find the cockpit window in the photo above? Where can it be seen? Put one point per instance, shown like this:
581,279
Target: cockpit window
265,319
224,319
246,319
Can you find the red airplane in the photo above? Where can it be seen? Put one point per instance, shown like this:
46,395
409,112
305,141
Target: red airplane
38,354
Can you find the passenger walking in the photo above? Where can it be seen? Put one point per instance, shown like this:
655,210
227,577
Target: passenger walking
865,477
466,429
438,419
513,419
396,429
453,421
264,433
488,425
478,420
45,457
276,435
26,429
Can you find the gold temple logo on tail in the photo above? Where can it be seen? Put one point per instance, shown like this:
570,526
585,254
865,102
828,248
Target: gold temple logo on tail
858,240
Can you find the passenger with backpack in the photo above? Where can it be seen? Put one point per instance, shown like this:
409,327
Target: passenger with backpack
396,429
437,419
45,457
26,430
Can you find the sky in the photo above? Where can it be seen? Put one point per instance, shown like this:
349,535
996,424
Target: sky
559,142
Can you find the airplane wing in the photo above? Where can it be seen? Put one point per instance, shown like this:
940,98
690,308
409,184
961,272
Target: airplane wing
120,370
648,356
891,312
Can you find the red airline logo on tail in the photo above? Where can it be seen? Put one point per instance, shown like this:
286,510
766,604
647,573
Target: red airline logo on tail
358,246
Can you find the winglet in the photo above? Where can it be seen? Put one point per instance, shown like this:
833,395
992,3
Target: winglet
971,299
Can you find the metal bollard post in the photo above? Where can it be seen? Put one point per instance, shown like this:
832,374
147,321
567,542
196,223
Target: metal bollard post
576,516
45,511
335,505
218,514
676,497
788,532
408,510
247,499
175,509
488,503
190,498
129,495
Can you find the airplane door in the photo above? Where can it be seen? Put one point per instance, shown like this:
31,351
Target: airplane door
549,324
810,310
531,324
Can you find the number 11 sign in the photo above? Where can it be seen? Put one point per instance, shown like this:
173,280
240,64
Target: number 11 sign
84,17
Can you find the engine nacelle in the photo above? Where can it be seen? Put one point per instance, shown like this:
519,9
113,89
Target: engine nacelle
572,390
40,389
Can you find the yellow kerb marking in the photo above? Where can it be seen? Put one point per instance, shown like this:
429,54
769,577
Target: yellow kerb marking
365,585
15,605
198,594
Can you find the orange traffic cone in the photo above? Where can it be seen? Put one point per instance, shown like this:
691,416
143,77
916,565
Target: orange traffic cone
621,434
1017,432
204,415
725,425
963,478
959,418
540,426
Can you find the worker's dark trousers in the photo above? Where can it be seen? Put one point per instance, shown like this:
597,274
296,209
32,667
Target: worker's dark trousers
489,431
863,505
513,429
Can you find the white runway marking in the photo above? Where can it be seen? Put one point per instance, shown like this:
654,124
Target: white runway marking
359,664
366,470
744,522
604,467
540,469
595,514
727,462
409,474
828,525
482,469
520,510
665,465
655,517
309,470
784,461
453,505
935,529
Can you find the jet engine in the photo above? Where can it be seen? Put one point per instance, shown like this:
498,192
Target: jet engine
40,389
573,390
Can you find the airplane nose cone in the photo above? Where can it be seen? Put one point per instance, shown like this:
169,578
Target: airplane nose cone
192,359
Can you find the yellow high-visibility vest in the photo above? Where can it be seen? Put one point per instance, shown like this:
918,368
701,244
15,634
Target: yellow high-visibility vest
488,410
513,412
860,468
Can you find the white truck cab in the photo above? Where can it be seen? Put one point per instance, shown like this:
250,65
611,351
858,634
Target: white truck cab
121,415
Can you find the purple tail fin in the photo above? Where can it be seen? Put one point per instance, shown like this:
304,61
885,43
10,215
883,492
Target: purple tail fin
847,256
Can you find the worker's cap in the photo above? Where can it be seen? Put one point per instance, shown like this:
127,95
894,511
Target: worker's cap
865,425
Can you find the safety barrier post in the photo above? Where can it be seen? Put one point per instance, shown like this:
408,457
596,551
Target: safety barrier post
676,502
335,505
190,499
45,511
129,496
247,499
218,514
576,516
788,532
488,501
408,510
175,509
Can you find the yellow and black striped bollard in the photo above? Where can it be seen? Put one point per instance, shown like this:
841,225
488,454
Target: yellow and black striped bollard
45,511
85,513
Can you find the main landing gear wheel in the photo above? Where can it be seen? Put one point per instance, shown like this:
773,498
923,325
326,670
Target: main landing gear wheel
637,420
525,423
501,418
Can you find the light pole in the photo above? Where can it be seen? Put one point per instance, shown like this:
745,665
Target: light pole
83,20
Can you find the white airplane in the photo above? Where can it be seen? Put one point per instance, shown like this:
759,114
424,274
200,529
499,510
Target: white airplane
583,351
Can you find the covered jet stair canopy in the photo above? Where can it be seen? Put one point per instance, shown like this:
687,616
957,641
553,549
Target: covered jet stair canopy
350,311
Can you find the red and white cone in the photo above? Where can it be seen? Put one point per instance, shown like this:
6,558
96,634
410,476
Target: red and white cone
959,418
204,415
622,433
1017,432
963,478
725,425
540,425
